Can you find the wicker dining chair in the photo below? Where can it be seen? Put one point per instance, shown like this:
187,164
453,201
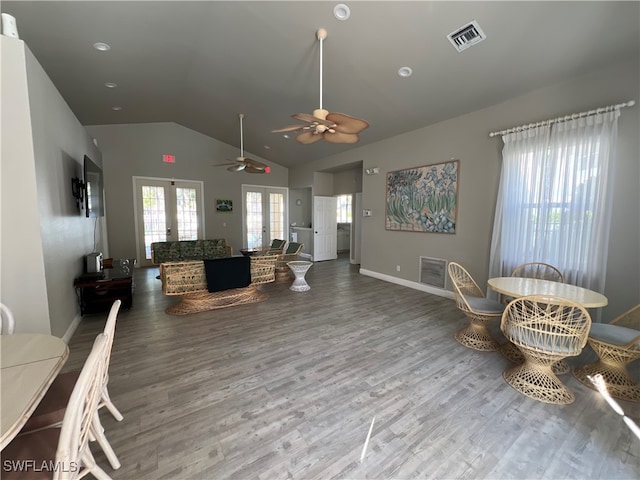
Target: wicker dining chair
546,329
64,450
7,321
478,309
276,247
52,408
617,344
291,253
540,270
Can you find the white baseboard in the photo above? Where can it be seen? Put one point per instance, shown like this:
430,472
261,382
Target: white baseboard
72,328
408,283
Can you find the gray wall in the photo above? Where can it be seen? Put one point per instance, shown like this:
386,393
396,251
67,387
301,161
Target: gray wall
466,138
136,150
44,237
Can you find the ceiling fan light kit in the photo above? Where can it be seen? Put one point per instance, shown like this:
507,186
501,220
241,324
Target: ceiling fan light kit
242,163
322,124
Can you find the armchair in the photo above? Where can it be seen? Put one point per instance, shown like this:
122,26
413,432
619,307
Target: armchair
290,255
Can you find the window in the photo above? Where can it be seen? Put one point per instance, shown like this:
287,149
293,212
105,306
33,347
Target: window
344,208
554,200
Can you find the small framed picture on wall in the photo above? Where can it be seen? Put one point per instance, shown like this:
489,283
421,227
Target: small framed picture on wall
224,205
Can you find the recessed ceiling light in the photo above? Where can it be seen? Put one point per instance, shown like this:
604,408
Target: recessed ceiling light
117,109
405,72
267,147
341,11
285,135
110,85
103,47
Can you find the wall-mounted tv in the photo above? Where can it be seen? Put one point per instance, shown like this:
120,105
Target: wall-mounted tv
93,189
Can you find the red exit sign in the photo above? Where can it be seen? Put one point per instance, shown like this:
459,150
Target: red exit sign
166,158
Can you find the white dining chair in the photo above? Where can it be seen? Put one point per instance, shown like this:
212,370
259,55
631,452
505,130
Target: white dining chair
51,410
66,447
7,322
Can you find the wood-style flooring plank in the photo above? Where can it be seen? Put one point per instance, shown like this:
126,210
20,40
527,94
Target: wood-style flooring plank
287,389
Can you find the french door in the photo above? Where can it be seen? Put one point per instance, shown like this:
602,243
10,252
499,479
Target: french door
166,210
264,215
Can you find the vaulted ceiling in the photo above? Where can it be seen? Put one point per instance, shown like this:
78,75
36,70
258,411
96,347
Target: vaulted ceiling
202,63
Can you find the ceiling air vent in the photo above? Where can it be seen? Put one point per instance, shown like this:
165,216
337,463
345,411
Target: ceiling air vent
466,36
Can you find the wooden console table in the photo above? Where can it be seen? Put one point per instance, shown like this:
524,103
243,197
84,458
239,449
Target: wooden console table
96,293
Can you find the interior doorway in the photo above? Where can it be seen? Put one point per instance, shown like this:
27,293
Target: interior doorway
166,210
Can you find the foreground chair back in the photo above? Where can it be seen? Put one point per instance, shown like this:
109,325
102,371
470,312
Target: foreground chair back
540,270
478,309
7,322
65,448
617,344
52,409
546,329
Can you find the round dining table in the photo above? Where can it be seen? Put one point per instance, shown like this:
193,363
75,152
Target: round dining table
521,287
29,362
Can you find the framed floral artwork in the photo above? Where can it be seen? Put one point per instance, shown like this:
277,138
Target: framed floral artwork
423,199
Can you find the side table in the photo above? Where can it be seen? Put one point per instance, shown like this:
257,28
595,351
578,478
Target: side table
97,292
299,269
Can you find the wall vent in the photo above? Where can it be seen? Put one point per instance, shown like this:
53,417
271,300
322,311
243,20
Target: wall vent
466,36
433,271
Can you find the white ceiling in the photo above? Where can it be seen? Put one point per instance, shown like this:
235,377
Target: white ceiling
201,63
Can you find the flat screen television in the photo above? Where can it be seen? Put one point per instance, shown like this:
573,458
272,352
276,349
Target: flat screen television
93,189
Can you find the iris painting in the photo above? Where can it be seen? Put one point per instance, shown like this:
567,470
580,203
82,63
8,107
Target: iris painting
423,199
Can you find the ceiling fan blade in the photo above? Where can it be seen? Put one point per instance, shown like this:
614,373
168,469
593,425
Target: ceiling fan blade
290,128
346,123
237,168
340,137
305,117
255,164
308,137
252,169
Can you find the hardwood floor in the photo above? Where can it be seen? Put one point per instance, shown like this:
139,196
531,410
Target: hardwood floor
287,388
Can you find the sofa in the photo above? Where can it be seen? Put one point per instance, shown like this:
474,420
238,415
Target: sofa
186,250
188,279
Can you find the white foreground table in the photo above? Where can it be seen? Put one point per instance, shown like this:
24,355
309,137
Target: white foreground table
521,287
29,363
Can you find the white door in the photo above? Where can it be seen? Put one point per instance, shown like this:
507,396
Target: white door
325,229
356,230
166,210
264,215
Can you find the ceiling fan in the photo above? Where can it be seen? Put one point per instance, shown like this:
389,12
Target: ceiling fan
243,163
332,127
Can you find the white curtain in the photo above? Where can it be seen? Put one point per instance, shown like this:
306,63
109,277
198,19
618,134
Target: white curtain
554,200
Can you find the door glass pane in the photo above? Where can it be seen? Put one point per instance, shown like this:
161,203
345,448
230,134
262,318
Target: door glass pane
187,213
153,211
276,204
254,219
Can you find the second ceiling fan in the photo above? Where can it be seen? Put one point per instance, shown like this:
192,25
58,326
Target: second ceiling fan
332,127
242,163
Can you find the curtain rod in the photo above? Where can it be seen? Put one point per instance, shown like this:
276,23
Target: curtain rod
565,118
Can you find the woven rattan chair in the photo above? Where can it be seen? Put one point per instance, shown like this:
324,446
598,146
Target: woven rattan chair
290,254
276,247
65,451
478,309
540,270
617,344
7,322
546,329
